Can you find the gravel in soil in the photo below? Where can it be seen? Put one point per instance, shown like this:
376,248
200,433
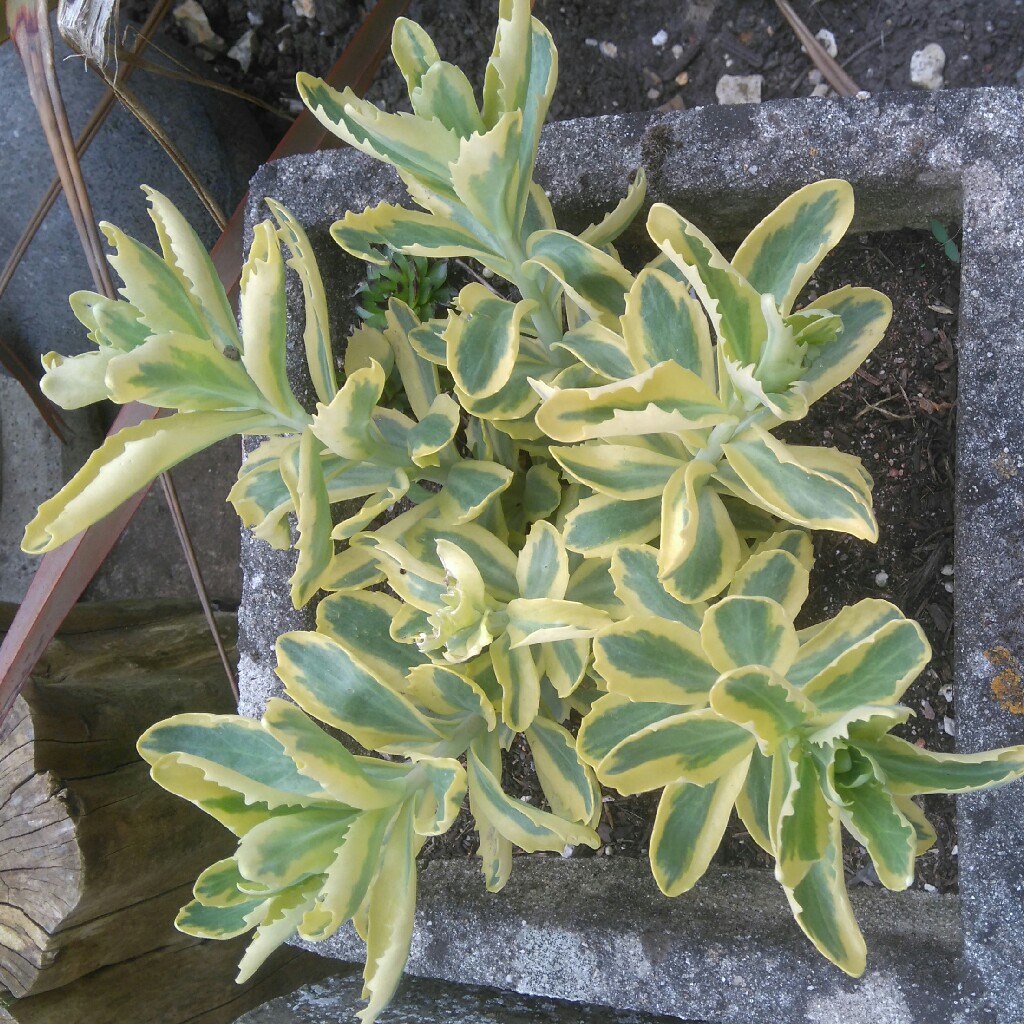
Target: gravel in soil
617,57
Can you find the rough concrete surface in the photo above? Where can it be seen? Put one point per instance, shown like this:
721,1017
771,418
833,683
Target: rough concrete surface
597,930
954,156
422,1001
34,465
222,144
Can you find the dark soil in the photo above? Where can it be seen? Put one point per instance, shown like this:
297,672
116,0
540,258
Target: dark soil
897,413
704,39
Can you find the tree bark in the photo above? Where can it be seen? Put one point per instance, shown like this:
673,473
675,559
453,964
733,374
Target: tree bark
95,858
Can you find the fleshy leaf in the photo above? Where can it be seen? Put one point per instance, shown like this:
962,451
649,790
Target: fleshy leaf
818,488
688,827
567,782
627,472
599,525
865,314
662,322
908,770
876,671
316,338
647,658
780,254
763,702
741,631
593,279
663,399
732,304
126,462
697,746
327,682
528,827
700,549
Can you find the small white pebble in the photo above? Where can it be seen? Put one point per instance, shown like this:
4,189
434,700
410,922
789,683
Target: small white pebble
946,692
567,852
487,272
863,95
827,40
947,570
677,51
928,887
955,850
653,94
948,587
590,42
609,49
607,851
882,578
659,38
949,726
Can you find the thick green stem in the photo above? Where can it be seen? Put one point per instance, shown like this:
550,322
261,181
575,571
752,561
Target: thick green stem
547,319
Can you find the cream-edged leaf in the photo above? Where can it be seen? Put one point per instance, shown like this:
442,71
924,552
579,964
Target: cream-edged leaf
623,471
425,149
528,827
595,281
612,224
180,371
483,340
664,399
634,571
183,249
696,746
316,338
614,718
568,783
599,525
327,682
908,770
263,310
741,631
763,702
647,658
776,574
126,462
662,322
700,549
688,827
865,314
780,254
542,568
819,488
732,304
876,671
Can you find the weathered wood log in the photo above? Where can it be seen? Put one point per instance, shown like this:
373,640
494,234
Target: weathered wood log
95,859
185,983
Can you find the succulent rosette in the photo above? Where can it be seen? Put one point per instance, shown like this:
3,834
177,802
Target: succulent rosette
789,727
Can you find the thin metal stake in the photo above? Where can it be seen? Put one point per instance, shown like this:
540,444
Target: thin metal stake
171,494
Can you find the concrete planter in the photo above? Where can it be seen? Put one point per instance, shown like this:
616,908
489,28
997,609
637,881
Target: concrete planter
597,931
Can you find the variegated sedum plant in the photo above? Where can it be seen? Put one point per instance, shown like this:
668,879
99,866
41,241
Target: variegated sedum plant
574,507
